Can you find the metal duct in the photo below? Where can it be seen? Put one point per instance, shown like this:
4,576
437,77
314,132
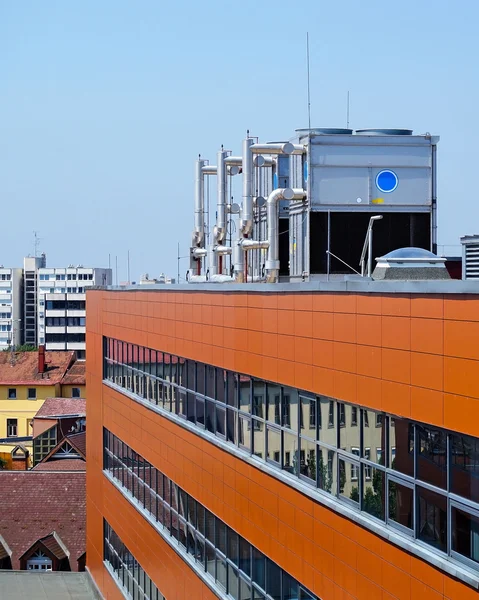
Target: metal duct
254,244
238,262
236,161
281,148
199,233
247,206
199,252
209,170
263,161
223,249
272,261
220,229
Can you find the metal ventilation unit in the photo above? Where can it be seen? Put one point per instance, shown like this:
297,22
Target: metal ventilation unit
470,256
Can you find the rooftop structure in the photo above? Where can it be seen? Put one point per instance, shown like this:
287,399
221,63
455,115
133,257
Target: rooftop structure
38,585
306,205
67,455
49,532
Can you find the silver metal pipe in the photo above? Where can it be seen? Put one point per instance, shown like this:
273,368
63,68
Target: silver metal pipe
199,232
263,161
236,161
281,148
238,262
209,169
254,244
272,261
221,279
223,249
247,206
220,229
199,252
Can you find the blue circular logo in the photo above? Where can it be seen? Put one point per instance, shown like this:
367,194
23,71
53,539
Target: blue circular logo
387,181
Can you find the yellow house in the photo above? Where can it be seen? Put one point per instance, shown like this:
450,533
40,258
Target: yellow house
27,379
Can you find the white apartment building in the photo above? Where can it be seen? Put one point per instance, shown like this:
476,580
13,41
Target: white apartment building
61,294
10,307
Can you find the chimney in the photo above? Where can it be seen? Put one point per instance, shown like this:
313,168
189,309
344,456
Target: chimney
41,359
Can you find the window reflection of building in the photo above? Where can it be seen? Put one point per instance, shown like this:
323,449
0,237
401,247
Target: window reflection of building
391,468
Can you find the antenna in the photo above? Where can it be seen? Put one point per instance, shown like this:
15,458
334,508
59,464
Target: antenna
309,91
347,113
36,243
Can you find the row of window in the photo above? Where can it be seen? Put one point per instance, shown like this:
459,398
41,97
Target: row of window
65,304
60,338
130,575
31,393
65,321
5,315
6,327
5,277
67,290
419,479
236,566
68,276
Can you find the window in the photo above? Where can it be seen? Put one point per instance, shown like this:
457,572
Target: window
390,468
12,425
354,416
32,393
331,414
76,393
12,393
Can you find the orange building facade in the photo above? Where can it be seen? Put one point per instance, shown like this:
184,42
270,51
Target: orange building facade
255,442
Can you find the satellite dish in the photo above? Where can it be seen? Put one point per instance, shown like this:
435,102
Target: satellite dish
234,208
260,201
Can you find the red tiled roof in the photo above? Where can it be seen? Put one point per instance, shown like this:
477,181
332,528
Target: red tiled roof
60,407
65,464
37,504
76,375
78,441
24,371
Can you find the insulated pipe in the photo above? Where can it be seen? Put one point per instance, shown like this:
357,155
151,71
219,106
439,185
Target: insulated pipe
223,249
238,262
281,148
263,161
199,233
199,252
254,244
220,229
209,170
234,161
247,206
272,261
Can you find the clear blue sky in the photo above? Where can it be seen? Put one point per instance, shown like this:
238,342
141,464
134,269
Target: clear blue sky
105,104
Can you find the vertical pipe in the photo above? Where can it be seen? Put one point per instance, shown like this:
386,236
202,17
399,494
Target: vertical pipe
370,249
220,264
328,256
434,201
247,206
221,197
199,203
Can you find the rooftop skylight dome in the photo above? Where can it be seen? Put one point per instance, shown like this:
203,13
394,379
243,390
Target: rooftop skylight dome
410,264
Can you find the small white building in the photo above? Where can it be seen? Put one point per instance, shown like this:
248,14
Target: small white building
61,305
10,307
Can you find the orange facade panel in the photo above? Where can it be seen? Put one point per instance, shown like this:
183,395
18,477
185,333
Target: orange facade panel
395,353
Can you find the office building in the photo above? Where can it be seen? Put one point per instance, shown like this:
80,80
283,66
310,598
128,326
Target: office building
278,429
10,307
61,305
